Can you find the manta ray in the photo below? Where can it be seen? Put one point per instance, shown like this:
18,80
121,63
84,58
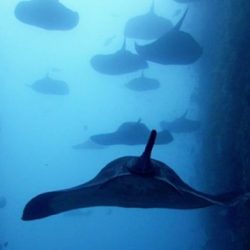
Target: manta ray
129,182
175,47
148,26
181,125
120,62
143,83
46,14
131,133
47,85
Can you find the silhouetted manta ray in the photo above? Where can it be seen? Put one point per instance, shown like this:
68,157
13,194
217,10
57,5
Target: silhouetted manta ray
131,133
48,85
181,125
120,62
174,47
131,182
147,27
143,83
46,14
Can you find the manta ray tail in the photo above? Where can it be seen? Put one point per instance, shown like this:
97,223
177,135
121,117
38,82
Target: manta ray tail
143,164
239,199
231,199
179,24
150,144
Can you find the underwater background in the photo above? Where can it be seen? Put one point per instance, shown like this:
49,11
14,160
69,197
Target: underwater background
39,131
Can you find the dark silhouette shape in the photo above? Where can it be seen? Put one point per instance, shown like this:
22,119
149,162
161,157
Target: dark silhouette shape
131,133
46,14
174,47
147,27
181,125
131,182
143,83
47,85
120,62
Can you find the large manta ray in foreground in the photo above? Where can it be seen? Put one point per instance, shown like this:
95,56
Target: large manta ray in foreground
131,182
175,47
46,14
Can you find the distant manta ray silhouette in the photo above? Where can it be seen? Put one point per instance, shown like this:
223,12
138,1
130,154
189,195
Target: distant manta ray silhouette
128,133
131,133
120,62
147,27
47,85
143,83
46,14
174,47
130,182
181,125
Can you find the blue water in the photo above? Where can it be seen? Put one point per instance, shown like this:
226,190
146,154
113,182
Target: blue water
38,131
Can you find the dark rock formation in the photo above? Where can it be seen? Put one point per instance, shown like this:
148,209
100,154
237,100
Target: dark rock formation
224,82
